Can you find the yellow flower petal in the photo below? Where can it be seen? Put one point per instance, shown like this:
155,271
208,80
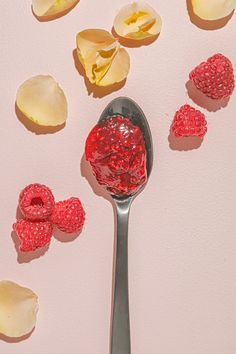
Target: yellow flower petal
18,309
97,49
43,8
42,100
137,21
213,9
118,69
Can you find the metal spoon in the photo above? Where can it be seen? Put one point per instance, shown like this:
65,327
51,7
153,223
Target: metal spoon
120,334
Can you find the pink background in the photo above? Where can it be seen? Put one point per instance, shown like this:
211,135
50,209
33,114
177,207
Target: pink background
182,227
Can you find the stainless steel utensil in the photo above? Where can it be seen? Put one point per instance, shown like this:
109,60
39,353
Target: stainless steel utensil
120,336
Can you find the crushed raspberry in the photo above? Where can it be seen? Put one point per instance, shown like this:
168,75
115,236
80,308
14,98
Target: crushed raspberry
116,151
69,215
189,122
215,77
36,202
33,234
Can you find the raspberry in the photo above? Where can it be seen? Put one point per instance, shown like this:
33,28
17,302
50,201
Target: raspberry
33,234
36,202
189,122
215,77
115,149
69,215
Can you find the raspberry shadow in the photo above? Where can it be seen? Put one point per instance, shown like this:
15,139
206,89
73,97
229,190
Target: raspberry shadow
92,89
203,101
65,237
184,143
204,24
25,257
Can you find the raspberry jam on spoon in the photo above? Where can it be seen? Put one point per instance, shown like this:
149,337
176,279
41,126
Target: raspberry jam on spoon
119,149
116,151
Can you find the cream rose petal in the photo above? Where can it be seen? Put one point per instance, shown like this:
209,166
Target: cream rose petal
92,40
213,9
43,8
18,309
97,49
118,69
137,21
42,100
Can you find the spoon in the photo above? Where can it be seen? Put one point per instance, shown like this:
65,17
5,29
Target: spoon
120,326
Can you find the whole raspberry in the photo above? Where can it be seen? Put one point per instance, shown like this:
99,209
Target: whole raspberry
215,77
36,202
33,234
189,122
69,215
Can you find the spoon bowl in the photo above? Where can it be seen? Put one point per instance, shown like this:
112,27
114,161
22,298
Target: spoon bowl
128,108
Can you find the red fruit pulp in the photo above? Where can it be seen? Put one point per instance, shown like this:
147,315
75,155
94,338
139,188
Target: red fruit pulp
116,151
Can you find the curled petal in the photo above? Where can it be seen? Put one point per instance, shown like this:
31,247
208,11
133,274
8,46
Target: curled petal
137,21
118,70
99,53
213,9
43,101
18,309
43,8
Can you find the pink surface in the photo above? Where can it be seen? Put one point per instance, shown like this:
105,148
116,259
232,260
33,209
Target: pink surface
182,228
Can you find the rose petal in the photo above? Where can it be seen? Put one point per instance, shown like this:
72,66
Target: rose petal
97,49
137,21
213,9
18,309
51,7
118,69
42,100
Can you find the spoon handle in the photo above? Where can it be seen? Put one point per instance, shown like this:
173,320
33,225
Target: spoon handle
120,336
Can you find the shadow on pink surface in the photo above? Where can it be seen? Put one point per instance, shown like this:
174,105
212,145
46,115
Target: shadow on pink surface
35,128
26,257
13,339
100,191
56,16
204,24
94,90
185,143
65,237
131,43
203,101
